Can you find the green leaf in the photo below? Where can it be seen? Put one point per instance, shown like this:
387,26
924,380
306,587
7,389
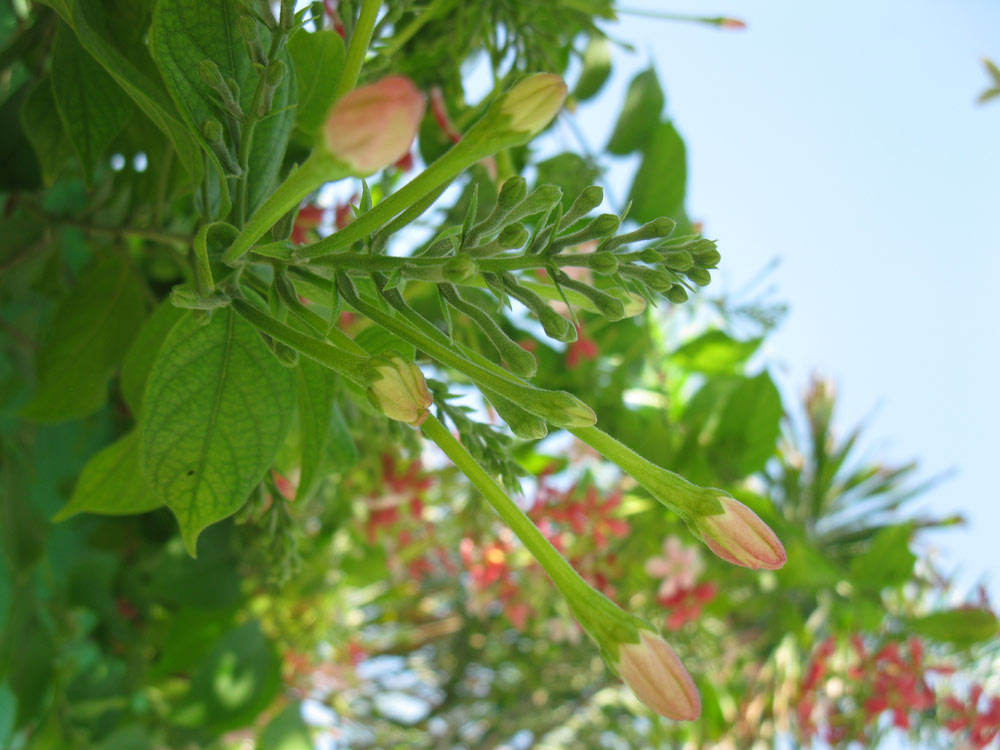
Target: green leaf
316,388
342,451
42,126
318,57
92,107
286,731
134,72
643,105
235,682
596,68
377,340
962,627
140,356
90,333
570,172
111,483
661,180
887,562
19,169
715,353
218,407
186,32
748,428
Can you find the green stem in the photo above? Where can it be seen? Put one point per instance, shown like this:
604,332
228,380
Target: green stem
684,498
361,37
446,168
345,363
567,580
318,168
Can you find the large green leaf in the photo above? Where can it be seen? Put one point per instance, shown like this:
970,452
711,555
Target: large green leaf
286,731
111,483
90,334
887,562
217,407
661,180
318,57
88,19
42,126
93,108
19,169
234,683
140,356
596,68
747,431
316,388
715,353
643,105
962,627
185,33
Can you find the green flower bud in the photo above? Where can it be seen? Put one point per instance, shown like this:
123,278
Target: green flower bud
531,103
604,263
555,325
397,388
210,74
588,199
213,131
512,193
635,304
677,294
678,260
699,276
458,269
542,198
707,257
654,229
513,237
649,255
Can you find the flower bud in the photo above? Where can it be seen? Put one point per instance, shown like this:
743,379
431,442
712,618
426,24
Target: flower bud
458,268
677,294
707,257
397,388
678,260
512,193
737,535
533,102
634,304
373,126
699,276
602,262
513,237
653,672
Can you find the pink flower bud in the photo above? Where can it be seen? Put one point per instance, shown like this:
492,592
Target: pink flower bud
737,535
653,672
373,126
397,388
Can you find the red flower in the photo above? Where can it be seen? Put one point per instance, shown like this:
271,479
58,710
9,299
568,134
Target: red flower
581,349
982,727
686,605
308,219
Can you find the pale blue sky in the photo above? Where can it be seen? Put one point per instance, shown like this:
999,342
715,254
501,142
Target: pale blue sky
844,139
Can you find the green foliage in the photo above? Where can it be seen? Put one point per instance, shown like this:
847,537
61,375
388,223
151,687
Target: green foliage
217,408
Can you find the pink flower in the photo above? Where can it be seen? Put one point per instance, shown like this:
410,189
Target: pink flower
373,126
686,605
653,672
679,567
737,535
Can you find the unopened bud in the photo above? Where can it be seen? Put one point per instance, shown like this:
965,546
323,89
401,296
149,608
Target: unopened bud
677,294
532,103
603,263
272,79
737,535
651,230
397,388
598,228
653,672
512,193
373,126
542,198
649,255
213,132
555,325
699,276
588,199
707,257
635,304
210,74
678,260
458,269
513,237
247,28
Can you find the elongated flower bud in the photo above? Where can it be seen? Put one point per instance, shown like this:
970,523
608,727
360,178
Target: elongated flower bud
533,102
653,672
373,126
397,388
737,535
